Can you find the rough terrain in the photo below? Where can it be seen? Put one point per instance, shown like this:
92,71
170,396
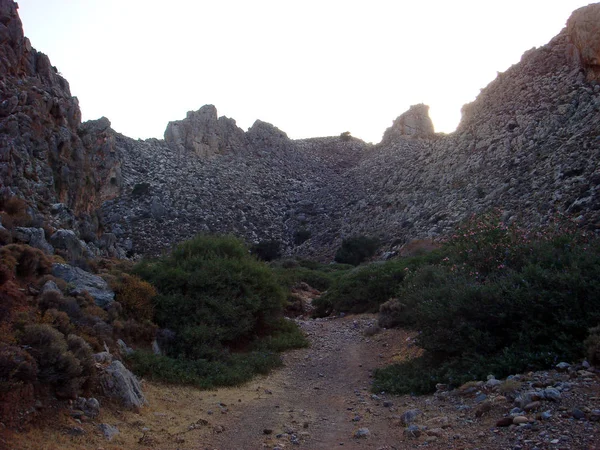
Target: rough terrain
529,145
321,399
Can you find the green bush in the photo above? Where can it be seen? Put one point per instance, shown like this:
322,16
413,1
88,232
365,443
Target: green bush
502,300
215,296
362,289
356,249
230,371
267,250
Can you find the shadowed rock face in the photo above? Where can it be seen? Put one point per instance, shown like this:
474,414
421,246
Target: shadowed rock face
529,144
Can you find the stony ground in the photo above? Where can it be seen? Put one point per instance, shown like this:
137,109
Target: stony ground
321,399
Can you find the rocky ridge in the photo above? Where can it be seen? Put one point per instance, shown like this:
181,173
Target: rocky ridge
528,145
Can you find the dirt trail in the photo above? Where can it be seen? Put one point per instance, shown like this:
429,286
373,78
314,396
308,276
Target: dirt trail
318,400
321,398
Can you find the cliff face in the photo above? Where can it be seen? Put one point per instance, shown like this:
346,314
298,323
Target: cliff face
529,144
46,155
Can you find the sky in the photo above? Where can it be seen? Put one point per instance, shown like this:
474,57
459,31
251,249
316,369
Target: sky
311,68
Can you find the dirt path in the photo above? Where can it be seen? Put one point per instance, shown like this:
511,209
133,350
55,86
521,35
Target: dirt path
318,400
321,398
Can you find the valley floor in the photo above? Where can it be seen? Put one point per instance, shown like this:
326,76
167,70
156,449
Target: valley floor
321,399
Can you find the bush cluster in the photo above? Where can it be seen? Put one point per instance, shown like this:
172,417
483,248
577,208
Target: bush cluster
356,249
500,300
223,306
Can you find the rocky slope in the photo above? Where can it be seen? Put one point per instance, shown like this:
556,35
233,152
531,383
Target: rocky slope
529,145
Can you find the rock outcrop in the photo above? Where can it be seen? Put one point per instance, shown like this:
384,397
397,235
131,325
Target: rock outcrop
46,155
583,29
204,134
413,123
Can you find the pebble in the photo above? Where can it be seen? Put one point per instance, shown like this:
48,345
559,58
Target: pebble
505,422
362,433
578,414
520,419
412,431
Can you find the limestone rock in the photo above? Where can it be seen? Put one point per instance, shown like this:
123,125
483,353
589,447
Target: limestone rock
203,133
36,237
583,28
68,241
84,281
119,383
413,123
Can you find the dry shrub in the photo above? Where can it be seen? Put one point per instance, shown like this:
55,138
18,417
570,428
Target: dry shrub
12,300
14,213
136,332
389,313
5,236
94,312
135,296
49,300
27,261
5,274
16,365
419,247
57,365
83,352
59,320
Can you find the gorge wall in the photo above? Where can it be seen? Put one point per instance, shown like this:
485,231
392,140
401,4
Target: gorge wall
529,145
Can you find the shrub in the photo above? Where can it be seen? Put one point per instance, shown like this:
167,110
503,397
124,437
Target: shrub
223,310
346,136
135,296
14,212
57,365
16,365
503,300
267,250
356,249
231,371
362,289
25,260
212,293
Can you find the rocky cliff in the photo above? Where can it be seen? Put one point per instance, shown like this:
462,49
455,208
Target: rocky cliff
46,155
529,145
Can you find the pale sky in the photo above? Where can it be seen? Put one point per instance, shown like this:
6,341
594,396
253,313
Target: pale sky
311,68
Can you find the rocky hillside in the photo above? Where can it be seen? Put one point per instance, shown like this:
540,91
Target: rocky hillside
529,144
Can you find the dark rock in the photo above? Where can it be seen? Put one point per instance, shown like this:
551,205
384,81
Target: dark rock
505,422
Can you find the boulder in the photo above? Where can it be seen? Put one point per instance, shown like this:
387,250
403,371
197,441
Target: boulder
81,281
68,241
36,237
119,383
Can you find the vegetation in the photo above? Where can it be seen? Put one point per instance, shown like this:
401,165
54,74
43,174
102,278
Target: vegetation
500,300
225,309
356,249
267,250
